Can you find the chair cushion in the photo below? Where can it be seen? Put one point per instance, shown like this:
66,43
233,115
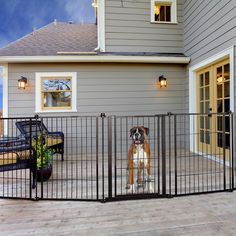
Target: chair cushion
11,157
51,141
8,158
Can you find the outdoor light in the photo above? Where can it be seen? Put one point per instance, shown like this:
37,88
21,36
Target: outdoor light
162,81
22,82
95,4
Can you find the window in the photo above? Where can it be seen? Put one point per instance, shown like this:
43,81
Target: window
55,92
163,11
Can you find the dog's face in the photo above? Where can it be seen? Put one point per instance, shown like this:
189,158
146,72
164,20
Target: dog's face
139,134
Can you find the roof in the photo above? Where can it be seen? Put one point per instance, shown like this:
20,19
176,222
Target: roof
54,38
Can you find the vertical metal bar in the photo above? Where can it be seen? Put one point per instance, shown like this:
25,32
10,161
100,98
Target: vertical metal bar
115,153
163,155
175,148
170,154
30,187
224,163
232,149
103,152
109,157
97,177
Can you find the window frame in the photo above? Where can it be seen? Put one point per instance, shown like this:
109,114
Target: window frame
173,15
40,77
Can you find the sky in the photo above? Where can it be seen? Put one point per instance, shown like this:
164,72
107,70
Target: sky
20,17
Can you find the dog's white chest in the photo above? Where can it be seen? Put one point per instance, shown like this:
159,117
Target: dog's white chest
140,155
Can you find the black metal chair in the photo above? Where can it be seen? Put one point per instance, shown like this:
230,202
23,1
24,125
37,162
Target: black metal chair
16,154
34,128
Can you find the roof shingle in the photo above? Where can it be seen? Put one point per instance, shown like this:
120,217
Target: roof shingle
54,38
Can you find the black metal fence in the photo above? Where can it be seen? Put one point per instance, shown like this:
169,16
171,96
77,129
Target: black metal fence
89,158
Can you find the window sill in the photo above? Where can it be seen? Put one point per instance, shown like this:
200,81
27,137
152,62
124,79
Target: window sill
163,22
56,111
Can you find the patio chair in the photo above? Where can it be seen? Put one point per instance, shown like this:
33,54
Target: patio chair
16,154
33,128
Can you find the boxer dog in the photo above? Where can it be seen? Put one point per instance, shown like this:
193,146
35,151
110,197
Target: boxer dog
139,159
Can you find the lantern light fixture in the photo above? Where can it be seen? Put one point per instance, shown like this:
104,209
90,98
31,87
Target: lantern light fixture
162,81
22,82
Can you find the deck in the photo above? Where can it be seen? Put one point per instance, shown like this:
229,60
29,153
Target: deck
211,214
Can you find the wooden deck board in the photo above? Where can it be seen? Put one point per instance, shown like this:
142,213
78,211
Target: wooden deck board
212,214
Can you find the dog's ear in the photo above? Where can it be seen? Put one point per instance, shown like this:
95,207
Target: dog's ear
131,131
146,130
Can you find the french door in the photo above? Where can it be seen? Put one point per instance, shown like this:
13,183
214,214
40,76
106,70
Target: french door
213,96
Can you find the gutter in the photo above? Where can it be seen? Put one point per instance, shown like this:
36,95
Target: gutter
95,59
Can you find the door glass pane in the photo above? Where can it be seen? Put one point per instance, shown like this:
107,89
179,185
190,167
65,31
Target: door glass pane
207,107
207,78
207,133
227,140
207,93
207,119
227,124
219,91
226,89
201,136
227,105
226,71
219,123
219,139
201,107
219,72
219,106
201,80
202,94
202,122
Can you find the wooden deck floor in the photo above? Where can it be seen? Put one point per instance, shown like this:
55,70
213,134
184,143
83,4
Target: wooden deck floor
211,214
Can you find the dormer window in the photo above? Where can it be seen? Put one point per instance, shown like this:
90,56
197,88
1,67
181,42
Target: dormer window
163,11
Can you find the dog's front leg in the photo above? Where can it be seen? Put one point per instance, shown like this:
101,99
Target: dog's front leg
131,187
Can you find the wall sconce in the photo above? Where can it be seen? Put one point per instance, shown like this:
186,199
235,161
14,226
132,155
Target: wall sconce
22,82
162,81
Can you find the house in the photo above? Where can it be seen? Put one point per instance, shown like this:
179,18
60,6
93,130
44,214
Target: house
144,57
115,66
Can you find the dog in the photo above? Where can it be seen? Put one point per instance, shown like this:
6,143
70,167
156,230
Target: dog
139,159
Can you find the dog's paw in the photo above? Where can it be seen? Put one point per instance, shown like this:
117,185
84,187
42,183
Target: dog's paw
130,188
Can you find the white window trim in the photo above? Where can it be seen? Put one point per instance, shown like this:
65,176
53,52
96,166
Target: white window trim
227,53
38,100
173,11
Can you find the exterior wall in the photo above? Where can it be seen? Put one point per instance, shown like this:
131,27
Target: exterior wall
117,89
128,28
209,28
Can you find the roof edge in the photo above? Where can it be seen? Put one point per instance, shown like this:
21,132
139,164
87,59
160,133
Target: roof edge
95,59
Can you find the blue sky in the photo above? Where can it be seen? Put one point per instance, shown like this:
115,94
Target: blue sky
20,17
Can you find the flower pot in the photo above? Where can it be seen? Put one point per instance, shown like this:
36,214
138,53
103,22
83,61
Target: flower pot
44,174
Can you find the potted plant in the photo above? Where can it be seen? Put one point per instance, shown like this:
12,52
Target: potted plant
44,158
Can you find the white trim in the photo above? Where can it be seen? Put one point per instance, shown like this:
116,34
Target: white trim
38,100
227,53
101,25
173,11
5,95
97,59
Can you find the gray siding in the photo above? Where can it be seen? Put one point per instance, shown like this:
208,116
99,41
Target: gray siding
209,27
125,89
128,28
